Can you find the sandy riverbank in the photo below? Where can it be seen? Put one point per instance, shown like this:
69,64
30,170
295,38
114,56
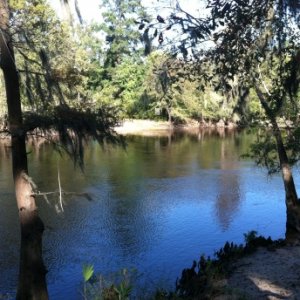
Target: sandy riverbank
150,127
264,274
143,127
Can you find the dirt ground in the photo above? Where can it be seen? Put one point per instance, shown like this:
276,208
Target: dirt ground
265,275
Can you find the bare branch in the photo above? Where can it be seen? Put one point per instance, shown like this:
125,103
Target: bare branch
264,84
59,187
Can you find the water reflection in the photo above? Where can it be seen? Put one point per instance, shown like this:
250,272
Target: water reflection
228,197
156,206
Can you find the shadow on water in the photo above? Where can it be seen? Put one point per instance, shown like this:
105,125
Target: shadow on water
156,206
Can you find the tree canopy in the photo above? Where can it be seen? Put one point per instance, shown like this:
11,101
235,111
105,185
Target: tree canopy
254,45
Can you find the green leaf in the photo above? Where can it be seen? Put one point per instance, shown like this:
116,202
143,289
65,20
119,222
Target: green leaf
87,272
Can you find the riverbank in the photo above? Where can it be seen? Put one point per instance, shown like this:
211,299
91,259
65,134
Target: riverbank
262,269
268,273
143,127
150,127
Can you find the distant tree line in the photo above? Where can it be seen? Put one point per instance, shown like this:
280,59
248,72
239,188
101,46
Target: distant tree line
118,62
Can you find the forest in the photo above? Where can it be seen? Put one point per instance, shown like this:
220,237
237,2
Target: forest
122,62
70,81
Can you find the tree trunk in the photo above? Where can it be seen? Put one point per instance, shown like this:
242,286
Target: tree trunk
32,273
66,10
78,12
289,185
168,109
291,197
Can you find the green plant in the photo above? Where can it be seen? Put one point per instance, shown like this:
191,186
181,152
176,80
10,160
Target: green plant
123,290
197,282
250,236
117,286
87,272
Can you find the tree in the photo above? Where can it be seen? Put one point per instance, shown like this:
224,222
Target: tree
125,88
117,78
118,26
255,43
177,93
73,123
263,36
32,282
67,13
166,86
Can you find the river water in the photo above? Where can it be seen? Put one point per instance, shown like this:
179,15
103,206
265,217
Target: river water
155,207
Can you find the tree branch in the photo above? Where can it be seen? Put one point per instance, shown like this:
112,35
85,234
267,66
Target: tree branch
264,84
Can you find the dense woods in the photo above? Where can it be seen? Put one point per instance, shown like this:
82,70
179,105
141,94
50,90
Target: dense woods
119,62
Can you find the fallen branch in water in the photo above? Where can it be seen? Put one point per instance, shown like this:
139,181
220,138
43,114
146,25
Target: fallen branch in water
62,192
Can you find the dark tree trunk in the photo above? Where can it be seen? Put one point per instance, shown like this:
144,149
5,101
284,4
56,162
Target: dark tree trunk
78,12
32,273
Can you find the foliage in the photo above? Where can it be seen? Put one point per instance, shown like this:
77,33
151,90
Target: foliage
3,108
246,52
198,280
87,272
54,67
125,87
77,65
119,287
119,22
34,60
118,76
265,153
71,65
74,127
57,95
170,91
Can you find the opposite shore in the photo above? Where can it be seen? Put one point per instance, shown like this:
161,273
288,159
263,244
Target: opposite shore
151,127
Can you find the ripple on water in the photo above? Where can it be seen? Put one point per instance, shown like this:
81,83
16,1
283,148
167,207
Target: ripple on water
157,207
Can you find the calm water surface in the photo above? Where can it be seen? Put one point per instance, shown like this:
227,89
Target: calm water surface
155,207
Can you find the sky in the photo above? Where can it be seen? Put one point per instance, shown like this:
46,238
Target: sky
90,9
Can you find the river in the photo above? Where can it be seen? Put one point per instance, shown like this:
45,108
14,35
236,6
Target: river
154,207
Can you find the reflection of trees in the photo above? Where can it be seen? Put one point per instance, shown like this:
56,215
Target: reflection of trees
161,157
130,175
5,149
36,143
131,206
9,224
228,198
